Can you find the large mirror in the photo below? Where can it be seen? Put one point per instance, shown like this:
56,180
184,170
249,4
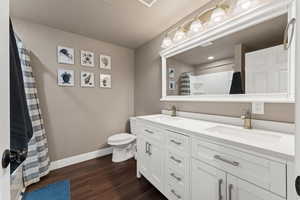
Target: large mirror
252,61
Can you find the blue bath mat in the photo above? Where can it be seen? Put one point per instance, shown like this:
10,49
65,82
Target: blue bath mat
55,191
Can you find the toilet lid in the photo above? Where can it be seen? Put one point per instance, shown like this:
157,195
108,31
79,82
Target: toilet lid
122,137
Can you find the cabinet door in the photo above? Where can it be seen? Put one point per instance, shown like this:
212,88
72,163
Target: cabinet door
238,189
156,164
208,183
143,156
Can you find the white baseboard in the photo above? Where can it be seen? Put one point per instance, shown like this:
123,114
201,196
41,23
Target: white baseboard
79,158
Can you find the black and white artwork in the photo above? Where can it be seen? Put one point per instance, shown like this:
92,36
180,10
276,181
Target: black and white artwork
65,77
87,79
172,85
65,55
87,59
105,80
105,62
171,72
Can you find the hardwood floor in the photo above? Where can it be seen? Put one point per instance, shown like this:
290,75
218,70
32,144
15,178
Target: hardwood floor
100,179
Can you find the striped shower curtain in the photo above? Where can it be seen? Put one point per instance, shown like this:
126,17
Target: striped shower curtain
37,162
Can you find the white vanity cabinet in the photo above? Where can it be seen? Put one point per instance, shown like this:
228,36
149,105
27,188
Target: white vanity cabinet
185,166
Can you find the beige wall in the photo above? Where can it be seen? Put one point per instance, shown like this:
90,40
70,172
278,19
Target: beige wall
148,89
79,120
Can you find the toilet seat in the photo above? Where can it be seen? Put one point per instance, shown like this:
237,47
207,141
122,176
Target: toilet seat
121,139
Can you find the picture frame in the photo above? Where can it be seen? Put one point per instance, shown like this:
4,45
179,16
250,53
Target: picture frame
87,79
105,80
65,77
87,58
171,72
65,55
105,62
172,85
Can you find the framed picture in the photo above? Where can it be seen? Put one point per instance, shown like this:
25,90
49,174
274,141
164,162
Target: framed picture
105,80
87,59
87,79
105,62
65,55
65,77
171,72
172,85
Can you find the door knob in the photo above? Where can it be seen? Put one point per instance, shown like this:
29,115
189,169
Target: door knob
5,159
297,185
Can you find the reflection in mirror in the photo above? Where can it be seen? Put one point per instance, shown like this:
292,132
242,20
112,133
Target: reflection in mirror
251,61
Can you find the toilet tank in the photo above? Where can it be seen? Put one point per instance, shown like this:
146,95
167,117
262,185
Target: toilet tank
133,125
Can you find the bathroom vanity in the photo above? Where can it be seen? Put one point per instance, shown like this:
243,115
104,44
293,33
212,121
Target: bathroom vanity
188,159
248,57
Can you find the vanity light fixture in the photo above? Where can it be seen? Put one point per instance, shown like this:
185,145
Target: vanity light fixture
214,14
180,34
211,58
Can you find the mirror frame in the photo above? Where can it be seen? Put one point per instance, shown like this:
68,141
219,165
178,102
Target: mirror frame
237,23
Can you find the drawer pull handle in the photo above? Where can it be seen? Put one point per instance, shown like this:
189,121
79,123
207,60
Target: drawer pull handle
148,131
176,160
175,142
230,188
175,194
220,189
234,163
176,177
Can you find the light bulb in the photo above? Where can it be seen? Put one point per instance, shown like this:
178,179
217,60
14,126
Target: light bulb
246,4
179,35
167,42
196,26
218,14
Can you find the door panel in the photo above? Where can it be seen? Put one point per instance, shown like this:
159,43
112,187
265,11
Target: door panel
143,156
208,182
237,189
4,100
156,163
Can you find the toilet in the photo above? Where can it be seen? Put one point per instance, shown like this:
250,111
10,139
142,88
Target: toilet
123,145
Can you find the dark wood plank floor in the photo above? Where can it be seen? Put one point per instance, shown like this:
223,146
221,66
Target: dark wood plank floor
100,179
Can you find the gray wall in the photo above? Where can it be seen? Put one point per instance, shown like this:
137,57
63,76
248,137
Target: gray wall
79,120
148,89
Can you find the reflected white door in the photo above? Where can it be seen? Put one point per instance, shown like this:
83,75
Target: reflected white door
297,111
4,100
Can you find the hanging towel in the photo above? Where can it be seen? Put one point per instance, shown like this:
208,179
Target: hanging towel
20,123
185,84
37,162
236,85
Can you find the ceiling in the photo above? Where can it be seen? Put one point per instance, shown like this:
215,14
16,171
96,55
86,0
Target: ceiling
266,34
127,23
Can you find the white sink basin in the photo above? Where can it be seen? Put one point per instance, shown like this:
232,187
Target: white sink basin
167,117
252,135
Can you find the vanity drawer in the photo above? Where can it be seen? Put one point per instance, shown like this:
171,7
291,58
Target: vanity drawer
175,192
177,141
176,177
265,173
176,160
152,132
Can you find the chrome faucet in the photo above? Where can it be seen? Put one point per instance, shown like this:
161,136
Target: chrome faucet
247,117
174,110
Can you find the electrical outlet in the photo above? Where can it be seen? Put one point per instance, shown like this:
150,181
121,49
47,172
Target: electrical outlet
258,108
